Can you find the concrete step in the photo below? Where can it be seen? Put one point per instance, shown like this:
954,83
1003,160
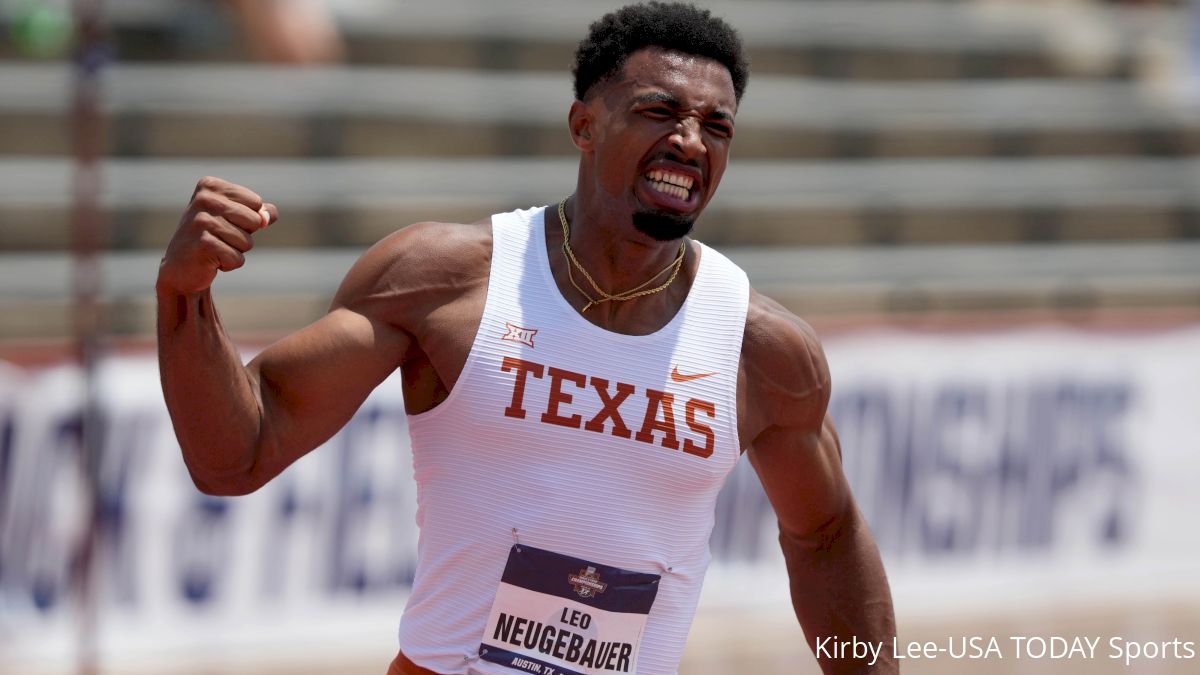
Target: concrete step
816,203
243,111
848,38
279,291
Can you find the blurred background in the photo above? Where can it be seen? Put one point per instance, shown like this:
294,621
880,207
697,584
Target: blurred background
988,209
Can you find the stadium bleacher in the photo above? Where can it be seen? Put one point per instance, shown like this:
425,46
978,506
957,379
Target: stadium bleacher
891,158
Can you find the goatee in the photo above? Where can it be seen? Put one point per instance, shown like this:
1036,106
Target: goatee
662,226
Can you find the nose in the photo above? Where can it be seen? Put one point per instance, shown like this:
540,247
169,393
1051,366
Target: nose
687,139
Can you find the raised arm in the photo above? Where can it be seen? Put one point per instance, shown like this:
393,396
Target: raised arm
240,426
838,586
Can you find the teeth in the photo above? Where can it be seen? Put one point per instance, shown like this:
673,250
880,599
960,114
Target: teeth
670,183
659,175
673,190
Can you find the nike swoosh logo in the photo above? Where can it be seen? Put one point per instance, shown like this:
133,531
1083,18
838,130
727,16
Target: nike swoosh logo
677,376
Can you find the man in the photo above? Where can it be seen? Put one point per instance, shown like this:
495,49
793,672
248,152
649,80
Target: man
301,32
580,379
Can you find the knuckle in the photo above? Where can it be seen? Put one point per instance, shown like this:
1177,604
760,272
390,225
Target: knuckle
233,261
208,239
204,221
213,244
240,213
208,201
209,183
239,243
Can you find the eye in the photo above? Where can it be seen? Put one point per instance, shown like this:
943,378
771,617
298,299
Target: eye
720,129
657,112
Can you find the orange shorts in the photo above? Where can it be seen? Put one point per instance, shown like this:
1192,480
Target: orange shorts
402,666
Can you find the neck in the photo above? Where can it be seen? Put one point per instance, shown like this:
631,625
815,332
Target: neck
616,255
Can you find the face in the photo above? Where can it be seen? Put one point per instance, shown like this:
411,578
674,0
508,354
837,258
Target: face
656,138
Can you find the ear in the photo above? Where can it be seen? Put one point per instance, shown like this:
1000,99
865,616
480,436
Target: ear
580,121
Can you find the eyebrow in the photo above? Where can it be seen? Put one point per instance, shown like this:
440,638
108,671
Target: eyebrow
667,99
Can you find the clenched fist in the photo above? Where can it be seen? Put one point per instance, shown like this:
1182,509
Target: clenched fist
214,233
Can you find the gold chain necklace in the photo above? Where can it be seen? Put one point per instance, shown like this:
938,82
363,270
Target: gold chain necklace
635,292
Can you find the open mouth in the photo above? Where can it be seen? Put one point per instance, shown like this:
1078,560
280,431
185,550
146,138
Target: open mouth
673,184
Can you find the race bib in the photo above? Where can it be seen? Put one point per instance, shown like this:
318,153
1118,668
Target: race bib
558,615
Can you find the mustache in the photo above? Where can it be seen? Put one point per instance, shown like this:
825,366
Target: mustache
674,159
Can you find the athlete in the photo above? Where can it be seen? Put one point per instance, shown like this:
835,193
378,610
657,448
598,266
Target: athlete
580,378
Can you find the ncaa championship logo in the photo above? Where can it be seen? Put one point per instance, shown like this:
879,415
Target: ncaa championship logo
587,583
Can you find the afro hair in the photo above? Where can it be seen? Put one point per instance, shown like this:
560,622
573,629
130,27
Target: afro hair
675,26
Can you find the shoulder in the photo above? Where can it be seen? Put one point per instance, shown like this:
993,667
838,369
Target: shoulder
430,248
786,375
424,262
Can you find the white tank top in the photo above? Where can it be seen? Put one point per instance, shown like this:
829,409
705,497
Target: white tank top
606,450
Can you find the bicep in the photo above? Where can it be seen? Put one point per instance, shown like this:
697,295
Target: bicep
801,471
795,448
310,383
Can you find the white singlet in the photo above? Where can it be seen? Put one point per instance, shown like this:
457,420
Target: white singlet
576,468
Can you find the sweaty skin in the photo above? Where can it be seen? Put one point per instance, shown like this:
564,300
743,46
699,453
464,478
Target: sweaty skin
414,301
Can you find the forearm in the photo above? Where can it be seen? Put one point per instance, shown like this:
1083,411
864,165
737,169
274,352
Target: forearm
214,408
840,593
